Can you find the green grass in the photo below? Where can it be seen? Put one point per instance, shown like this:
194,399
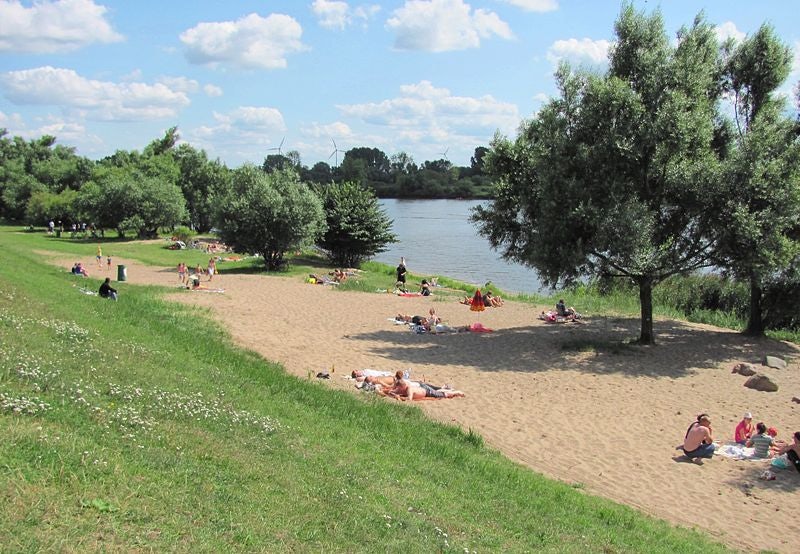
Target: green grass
138,426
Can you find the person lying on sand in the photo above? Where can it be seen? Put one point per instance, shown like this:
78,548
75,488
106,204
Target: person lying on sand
408,390
699,441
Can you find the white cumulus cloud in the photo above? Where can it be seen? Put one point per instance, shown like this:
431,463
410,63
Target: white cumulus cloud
212,90
444,25
579,51
728,30
251,42
48,27
335,14
99,100
242,134
534,5
425,110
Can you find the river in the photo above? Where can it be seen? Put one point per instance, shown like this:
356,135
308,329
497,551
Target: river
437,238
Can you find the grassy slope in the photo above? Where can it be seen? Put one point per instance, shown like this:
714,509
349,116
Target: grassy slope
160,435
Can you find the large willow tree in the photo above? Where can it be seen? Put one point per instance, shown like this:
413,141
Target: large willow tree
614,175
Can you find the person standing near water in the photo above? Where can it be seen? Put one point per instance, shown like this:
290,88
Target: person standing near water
401,274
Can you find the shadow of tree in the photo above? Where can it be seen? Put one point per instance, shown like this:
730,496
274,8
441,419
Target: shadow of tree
750,481
602,346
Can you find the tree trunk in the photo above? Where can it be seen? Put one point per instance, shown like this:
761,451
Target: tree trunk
755,324
646,302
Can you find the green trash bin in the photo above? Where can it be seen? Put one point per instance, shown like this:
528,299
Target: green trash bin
122,273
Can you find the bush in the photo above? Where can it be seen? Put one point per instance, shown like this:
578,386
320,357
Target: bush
183,233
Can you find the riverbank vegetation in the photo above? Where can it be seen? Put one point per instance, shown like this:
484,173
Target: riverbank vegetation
681,156
138,425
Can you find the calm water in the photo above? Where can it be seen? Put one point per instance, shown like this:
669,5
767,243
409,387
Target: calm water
437,238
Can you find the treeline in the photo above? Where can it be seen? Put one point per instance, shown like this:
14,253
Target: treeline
266,211
397,176
42,180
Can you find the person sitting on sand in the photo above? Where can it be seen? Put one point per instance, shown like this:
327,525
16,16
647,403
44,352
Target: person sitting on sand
699,441
744,430
425,288
491,301
563,311
792,451
761,441
107,291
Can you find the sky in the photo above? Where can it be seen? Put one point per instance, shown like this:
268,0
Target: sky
240,79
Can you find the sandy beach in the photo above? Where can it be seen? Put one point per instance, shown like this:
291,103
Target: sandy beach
607,422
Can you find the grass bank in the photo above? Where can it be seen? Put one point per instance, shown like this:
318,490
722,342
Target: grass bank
136,425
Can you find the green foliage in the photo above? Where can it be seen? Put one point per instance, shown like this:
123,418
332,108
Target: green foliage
269,214
759,217
200,180
615,175
45,206
357,226
183,233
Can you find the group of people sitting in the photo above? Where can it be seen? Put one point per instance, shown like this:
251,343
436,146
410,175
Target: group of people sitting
698,442
78,269
561,314
488,300
400,386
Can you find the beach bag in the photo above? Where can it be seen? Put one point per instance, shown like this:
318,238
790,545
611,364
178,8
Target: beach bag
781,462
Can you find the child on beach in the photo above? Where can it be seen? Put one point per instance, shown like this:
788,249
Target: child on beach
761,441
744,430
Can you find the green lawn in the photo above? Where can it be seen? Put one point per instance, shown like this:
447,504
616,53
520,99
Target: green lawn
138,426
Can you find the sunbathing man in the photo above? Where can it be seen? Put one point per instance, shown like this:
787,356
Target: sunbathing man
699,441
406,390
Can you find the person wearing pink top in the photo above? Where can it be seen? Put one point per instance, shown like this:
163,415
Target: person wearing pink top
699,441
744,430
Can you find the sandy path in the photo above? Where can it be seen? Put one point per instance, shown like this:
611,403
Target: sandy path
608,421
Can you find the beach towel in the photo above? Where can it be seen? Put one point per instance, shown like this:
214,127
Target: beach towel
737,452
479,328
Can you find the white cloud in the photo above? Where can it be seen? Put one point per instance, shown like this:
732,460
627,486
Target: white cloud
251,42
251,118
335,130
48,27
534,5
242,134
728,30
541,97
423,110
579,51
796,64
181,84
100,100
334,14
212,90
444,25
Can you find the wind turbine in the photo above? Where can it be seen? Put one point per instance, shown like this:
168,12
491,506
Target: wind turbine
335,153
280,152
444,154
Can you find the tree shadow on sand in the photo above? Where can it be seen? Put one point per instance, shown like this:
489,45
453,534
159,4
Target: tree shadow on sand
600,346
750,482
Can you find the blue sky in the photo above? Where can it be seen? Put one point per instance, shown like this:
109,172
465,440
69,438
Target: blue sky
425,77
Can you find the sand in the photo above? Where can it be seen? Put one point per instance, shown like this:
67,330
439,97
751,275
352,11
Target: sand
607,422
